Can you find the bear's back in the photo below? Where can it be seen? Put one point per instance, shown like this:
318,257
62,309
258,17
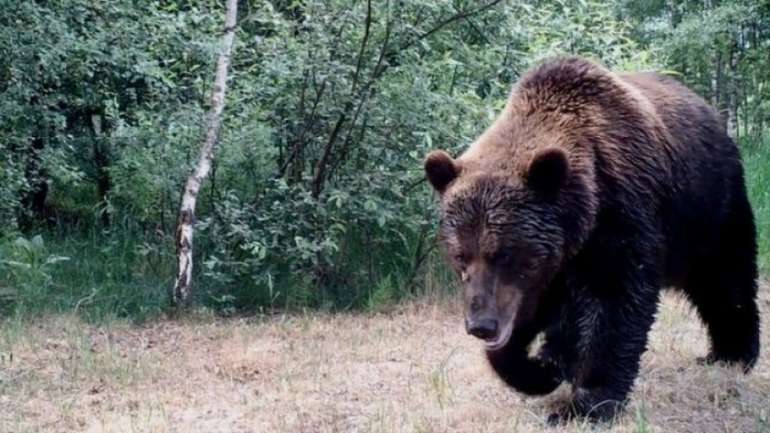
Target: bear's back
706,172
682,111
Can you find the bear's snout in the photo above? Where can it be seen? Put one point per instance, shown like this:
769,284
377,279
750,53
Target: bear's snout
485,329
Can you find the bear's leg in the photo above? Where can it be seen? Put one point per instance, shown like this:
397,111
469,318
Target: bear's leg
723,288
613,311
609,360
532,376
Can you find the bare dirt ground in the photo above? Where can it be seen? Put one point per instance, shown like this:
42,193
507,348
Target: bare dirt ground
408,370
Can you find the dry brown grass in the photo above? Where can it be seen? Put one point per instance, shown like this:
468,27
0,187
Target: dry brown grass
411,370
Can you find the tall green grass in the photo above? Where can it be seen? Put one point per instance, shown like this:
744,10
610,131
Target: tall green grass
756,160
98,275
105,275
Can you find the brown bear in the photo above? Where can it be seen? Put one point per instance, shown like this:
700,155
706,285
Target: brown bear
590,192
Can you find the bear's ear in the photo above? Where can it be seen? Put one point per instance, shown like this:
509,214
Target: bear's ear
440,169
548,170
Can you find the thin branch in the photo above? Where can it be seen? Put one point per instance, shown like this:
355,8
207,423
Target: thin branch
364,41
456,17
479,31
378,68
345,148
320,169
307,126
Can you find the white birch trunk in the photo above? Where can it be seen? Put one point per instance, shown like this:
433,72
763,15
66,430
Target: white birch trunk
185,224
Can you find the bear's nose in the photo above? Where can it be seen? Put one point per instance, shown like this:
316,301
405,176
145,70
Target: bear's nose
485,329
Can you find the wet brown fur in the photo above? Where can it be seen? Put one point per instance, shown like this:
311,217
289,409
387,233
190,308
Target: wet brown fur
652,196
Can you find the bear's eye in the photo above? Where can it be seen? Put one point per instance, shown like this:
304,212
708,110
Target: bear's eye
461,259
501,257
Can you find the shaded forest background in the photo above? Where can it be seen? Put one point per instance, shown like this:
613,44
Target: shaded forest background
316,198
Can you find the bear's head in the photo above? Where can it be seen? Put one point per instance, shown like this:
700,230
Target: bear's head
504,235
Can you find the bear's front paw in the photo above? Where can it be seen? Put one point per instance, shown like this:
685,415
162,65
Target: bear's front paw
559,418
597,404
591,404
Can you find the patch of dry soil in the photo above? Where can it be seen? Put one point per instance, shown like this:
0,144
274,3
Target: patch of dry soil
412,370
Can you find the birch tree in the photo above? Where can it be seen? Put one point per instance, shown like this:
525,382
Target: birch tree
185,223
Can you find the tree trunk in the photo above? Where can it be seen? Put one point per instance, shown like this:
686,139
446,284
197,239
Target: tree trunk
716,81
732,95
102,162
184,233
33,200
